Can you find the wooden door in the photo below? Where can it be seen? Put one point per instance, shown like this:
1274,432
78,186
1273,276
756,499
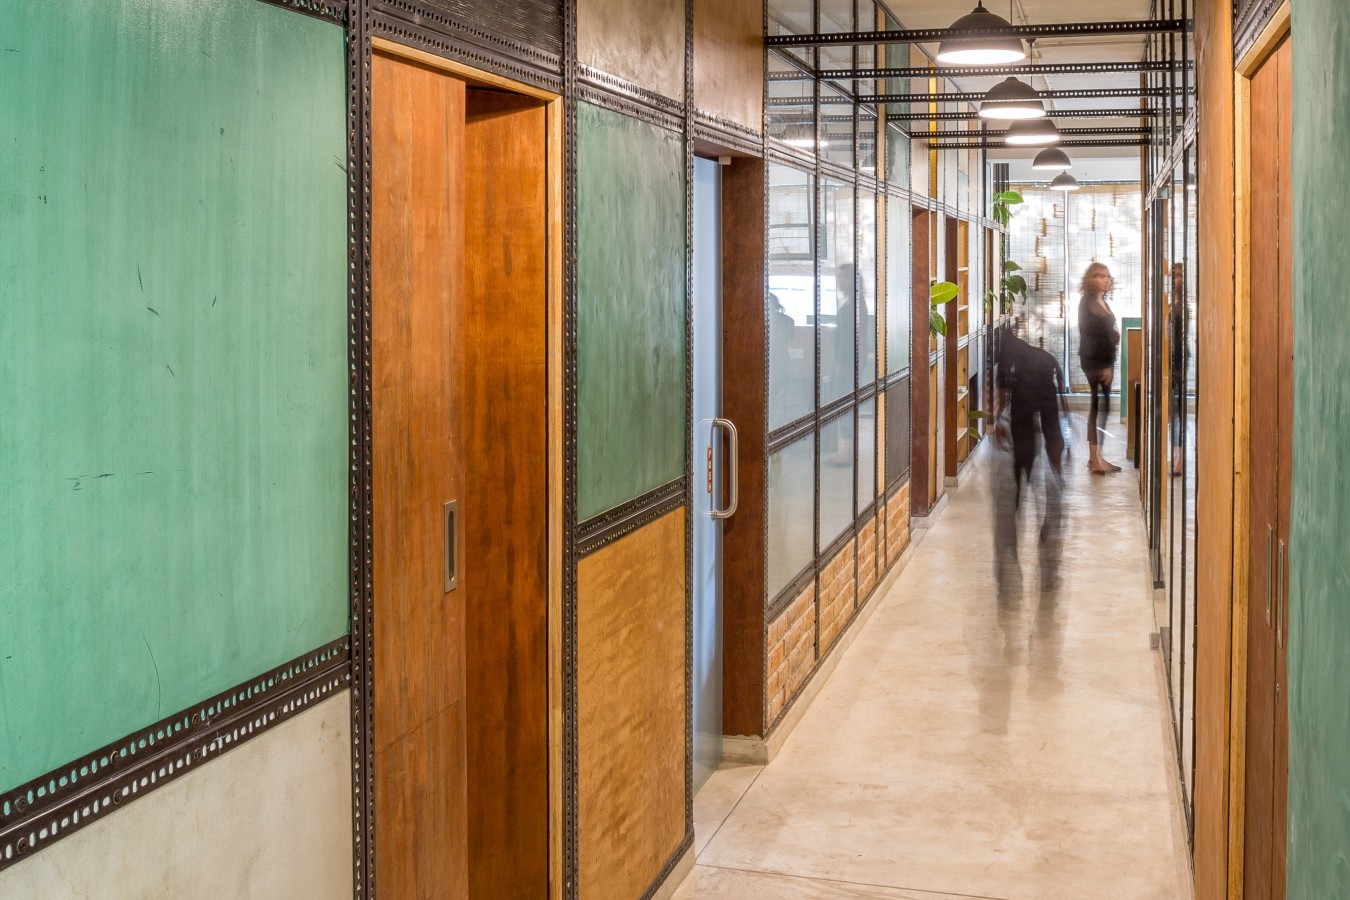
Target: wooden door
417,291
1271,399
459,321
923,403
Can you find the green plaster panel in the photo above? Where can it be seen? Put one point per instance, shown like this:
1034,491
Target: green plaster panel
173,386
1319,567
630,308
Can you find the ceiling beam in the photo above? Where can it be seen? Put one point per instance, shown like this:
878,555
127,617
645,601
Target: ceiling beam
1122,113
999,145
999,135
978,96
1025,32
978,71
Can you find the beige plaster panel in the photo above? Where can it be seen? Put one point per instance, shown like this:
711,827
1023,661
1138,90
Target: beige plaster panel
641,41
271,820
631,709
729,60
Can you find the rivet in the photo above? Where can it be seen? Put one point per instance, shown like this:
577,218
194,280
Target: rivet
198,754
22,846
21,804
117,798
196,718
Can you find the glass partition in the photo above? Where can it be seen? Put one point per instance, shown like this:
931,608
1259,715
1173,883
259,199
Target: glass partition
838,287
836,477
866,428
791,299
899,229
792,512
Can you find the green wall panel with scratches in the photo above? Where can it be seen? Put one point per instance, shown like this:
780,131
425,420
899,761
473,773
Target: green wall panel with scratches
630,308
173,356
1319,588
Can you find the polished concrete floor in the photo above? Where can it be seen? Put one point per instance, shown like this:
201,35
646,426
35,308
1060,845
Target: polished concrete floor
971,748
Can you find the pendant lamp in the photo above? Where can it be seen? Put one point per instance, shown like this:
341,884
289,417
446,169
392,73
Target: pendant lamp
1052,159
1012,99
1064,182
980,51
1031,131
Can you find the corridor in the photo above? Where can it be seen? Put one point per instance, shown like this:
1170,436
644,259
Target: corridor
965,750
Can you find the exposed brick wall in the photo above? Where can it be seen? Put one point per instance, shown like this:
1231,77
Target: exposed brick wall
836,595
897,525
792,649
867,560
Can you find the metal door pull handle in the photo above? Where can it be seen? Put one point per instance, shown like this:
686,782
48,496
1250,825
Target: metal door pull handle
451,545
1270,546
1279,597
732,466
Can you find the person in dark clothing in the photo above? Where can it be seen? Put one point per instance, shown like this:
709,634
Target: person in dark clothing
1029,395
1098,339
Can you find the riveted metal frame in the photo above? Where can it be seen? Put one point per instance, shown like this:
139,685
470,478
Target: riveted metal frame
1250,18
55,805
1115,113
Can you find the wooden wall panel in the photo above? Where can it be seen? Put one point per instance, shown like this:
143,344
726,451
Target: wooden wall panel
921,412
630,308
729,60
1215,463
631,709
744,395
1319,575
641,41
505,514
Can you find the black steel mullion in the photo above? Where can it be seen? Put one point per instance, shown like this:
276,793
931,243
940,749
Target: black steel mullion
977,96
1114,113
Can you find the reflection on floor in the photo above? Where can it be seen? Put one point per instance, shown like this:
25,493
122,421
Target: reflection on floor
964,748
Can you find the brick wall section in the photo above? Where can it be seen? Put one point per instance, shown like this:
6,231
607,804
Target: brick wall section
792,650
836,595
897,525
867,560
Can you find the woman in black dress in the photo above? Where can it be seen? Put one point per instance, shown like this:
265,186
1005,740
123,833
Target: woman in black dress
1097,342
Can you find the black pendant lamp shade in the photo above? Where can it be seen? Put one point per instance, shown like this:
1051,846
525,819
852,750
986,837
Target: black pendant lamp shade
1029,132
1064,182
1012,99
1052,159
980,51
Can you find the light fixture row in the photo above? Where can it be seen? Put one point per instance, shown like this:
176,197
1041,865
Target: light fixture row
1009,100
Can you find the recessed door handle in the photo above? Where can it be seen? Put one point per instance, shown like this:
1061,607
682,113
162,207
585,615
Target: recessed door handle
451,511
1279,597
731,469
1270,547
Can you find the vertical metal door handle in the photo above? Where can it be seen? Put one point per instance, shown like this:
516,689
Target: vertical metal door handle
732,466
451,545
1279,597
1270,546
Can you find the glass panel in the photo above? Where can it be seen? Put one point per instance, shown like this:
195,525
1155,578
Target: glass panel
793,17
836,126
867,454
867,288
790,115
899,227
836,477
867,135
792,299
897,154
837,286
792,511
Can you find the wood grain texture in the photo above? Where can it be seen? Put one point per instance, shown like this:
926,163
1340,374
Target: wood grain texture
729,60
504,586
631,709
744,393
641,41
417,249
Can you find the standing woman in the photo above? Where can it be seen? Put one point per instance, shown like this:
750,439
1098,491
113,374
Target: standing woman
1097,342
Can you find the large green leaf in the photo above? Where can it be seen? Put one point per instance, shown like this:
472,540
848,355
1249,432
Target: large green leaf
1010,266
942,292
937,324
1010,197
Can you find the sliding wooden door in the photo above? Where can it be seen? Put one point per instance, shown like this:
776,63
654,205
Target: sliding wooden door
1271,398
460,277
